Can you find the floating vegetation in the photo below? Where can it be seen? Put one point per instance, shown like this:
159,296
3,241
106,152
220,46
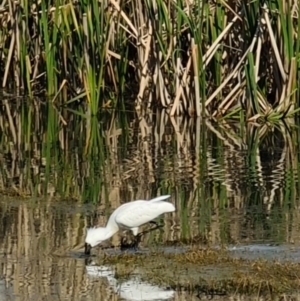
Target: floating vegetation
209,271
221,59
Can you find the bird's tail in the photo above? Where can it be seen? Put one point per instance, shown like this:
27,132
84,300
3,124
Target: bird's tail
160,198
164,207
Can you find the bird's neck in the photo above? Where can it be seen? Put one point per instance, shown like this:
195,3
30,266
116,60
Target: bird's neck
111,228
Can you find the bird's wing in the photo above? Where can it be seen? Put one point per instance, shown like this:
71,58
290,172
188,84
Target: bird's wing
138,214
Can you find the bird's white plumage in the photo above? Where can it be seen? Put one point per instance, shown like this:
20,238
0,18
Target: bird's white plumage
130,216
141,212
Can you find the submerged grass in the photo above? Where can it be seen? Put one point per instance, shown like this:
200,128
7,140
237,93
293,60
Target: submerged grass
209,270
210,58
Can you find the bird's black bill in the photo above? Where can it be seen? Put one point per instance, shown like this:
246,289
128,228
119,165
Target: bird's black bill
87,249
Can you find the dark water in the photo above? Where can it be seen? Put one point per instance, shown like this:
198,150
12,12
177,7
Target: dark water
232,185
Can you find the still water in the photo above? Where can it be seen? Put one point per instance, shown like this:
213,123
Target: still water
234,186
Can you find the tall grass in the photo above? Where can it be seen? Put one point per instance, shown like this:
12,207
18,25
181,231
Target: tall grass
210,58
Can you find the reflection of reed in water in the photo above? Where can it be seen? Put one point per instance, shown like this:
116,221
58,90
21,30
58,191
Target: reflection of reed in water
213,171
37,257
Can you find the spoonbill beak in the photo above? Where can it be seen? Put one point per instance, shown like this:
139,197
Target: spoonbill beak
87,249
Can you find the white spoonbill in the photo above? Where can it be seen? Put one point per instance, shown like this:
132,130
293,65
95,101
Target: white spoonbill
129,216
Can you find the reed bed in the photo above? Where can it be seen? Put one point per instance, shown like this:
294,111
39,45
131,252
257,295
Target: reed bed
223,59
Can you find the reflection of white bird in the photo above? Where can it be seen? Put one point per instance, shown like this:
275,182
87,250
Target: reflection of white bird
129,216
133,289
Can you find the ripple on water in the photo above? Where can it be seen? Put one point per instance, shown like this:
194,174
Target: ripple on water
280,252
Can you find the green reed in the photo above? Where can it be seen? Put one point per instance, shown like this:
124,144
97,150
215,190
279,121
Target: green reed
252,87
50,35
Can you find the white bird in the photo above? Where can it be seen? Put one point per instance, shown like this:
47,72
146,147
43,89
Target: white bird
129,216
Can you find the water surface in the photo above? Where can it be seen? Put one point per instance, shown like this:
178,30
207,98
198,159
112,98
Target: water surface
233,186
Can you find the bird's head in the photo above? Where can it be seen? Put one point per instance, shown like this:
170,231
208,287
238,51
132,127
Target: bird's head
94,237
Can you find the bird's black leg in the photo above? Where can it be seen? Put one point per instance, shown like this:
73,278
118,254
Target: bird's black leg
153,223
137,239
139,236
